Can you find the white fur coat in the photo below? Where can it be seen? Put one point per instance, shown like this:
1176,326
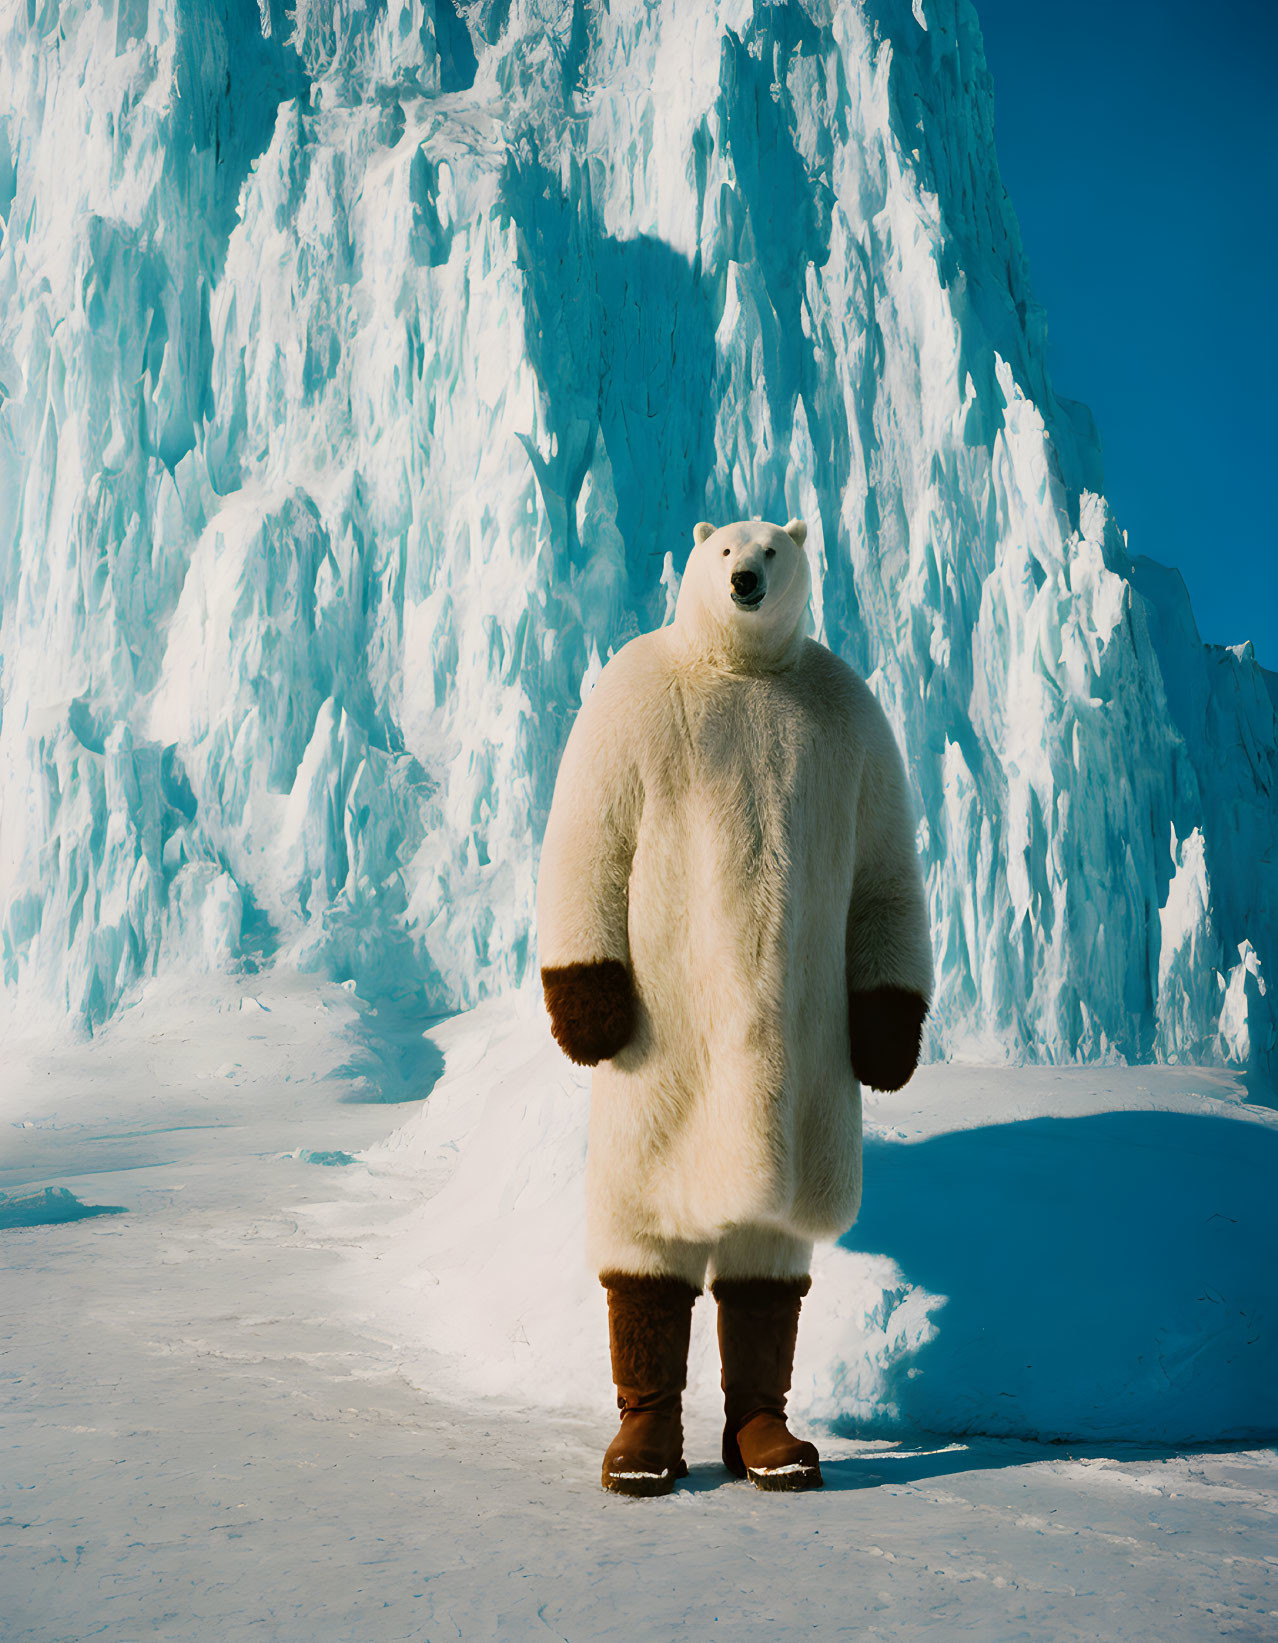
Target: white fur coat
731,820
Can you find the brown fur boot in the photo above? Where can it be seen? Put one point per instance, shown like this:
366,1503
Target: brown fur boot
758,1326
649,1321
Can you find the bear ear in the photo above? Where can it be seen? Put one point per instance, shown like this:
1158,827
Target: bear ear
701,531
797,531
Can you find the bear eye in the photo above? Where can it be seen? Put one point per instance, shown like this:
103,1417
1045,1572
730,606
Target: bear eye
726,552
769,553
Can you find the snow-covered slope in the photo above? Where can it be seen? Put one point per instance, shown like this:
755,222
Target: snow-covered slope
1076,1254
364,371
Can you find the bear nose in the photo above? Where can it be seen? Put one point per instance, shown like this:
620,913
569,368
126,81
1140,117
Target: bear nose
744,582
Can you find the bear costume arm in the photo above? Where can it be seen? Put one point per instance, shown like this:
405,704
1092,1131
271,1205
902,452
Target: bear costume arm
583,881
889,950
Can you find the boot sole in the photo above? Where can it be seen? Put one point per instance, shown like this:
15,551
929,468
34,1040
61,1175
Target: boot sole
786,1478
645,1484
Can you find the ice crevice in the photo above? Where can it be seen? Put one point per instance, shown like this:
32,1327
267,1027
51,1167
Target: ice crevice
362,372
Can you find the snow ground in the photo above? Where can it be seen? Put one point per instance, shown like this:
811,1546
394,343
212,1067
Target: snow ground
240,1409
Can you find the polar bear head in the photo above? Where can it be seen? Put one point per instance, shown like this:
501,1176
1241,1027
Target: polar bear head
744,593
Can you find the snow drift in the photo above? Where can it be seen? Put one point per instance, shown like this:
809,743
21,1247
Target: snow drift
1083,1254
364,368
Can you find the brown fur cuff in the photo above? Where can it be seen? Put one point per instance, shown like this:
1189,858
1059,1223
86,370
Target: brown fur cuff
885,1025
649,1320
592,1009
665,1286
748,1291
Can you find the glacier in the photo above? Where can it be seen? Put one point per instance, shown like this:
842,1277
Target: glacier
363,369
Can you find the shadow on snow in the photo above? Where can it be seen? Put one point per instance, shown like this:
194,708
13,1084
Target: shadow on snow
1098,1278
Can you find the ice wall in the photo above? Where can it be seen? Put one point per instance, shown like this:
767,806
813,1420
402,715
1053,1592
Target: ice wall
364,369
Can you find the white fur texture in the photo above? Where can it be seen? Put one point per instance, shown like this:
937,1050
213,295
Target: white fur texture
731,819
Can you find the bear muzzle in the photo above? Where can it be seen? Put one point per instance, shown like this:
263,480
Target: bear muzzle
748,589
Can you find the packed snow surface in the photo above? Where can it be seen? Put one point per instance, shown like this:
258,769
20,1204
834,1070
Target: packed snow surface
363,370
224,1418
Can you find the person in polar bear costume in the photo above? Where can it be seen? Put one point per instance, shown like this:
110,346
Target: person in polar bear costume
733,933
